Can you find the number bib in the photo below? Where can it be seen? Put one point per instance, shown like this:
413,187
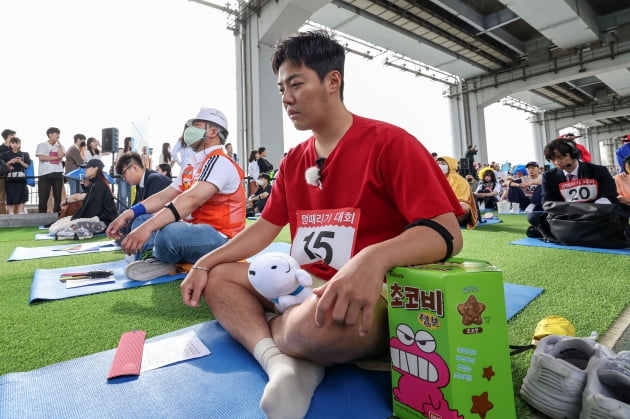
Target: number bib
325,236
579,190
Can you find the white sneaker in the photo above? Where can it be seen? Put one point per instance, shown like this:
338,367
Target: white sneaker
607,391
148,269
556,377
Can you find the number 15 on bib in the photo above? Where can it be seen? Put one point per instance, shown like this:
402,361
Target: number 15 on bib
325,235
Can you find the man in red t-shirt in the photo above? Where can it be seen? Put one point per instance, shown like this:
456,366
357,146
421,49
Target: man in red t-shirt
351,197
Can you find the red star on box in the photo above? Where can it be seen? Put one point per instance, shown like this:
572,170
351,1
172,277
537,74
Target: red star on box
488,373
481,405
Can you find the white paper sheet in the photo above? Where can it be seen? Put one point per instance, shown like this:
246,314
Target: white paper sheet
170,350
74,283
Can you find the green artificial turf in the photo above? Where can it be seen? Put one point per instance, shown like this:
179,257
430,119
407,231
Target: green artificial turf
589,289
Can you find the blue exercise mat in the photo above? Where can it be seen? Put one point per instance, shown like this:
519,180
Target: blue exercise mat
518,296
48,236
46,284
528,241
483,222
228,383
65,249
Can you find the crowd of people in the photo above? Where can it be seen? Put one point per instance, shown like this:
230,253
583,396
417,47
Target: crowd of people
61,174
571,179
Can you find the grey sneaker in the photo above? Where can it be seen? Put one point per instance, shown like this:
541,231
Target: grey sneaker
556,377
607,391
65,234
148,269
83,233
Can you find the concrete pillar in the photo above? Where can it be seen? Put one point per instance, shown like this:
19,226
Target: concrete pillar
260,108
540,138
458,128
468,125
478,127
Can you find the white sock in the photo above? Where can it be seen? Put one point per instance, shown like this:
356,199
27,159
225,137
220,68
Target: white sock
292,381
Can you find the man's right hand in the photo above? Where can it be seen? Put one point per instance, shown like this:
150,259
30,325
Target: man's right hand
193,287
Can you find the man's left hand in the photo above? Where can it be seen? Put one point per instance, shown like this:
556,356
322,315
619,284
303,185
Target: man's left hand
351,295
134,241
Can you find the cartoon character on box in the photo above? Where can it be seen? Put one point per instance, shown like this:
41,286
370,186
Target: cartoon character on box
278,277
423,372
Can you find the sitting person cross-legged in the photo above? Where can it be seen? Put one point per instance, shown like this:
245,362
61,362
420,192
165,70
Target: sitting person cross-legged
462,190
256,202
201,210
97,210
527,190
488,190
572,180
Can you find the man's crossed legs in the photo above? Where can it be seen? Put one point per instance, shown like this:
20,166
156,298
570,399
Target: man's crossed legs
292,350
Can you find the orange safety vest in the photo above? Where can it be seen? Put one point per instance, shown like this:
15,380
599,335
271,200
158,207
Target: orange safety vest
224,212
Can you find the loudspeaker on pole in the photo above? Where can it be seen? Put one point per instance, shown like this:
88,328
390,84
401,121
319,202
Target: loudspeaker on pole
109,140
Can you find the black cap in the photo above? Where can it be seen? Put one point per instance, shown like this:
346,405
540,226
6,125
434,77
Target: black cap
95,163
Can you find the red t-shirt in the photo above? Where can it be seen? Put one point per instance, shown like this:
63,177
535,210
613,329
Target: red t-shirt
376,167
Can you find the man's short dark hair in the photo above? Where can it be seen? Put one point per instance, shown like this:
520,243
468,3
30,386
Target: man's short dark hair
15,140
79,137
126,159
7,132
316,50
262,149
559,145
52,130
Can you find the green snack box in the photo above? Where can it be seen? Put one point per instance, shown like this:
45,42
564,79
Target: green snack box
449,341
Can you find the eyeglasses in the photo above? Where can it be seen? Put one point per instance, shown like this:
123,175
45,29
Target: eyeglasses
122,174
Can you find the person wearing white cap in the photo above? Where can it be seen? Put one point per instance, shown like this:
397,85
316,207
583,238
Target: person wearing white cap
202,209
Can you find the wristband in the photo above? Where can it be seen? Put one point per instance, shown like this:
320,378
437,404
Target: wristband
138,210
173,210
448,238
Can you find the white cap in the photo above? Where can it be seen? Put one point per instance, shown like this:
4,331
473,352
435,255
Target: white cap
211,115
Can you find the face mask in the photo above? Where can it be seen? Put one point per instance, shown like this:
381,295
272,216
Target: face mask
193,134
444,168
260,182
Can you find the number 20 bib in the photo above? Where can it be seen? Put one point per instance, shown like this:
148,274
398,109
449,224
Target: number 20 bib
579,190
325,236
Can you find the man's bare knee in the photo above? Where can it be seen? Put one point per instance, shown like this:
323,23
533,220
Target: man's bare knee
296,334
221,277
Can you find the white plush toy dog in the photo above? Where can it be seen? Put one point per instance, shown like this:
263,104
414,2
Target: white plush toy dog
278,277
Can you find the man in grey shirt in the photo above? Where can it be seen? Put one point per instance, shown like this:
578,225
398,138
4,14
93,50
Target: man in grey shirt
74,160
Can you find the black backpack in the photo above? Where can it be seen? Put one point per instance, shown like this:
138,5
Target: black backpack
585,224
